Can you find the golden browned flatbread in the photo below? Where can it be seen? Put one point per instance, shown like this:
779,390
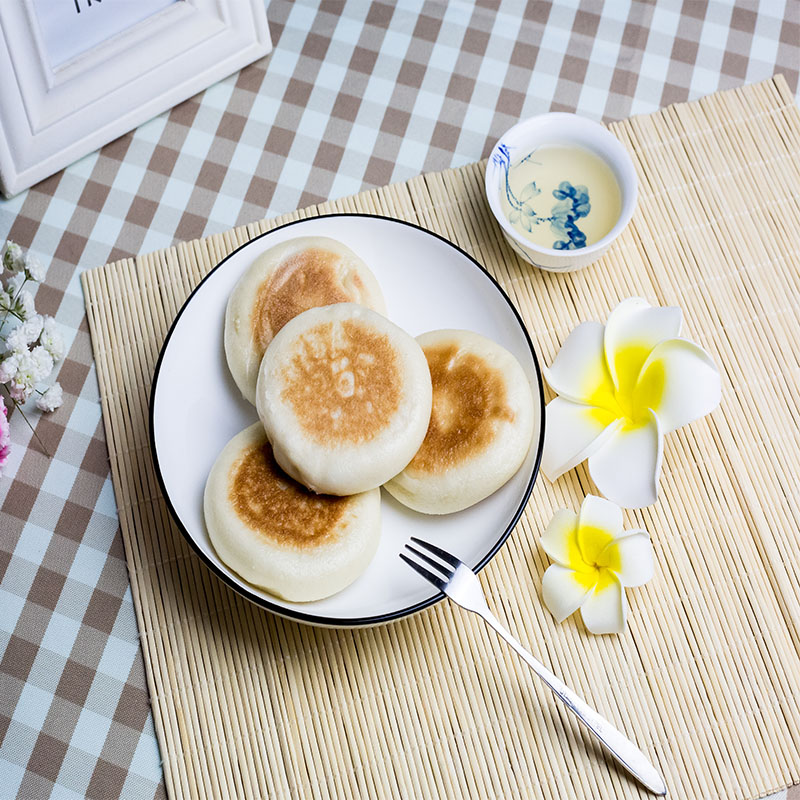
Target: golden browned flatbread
480,429
278,535
345,398
283,282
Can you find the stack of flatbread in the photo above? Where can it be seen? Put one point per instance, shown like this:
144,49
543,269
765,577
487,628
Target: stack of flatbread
349,402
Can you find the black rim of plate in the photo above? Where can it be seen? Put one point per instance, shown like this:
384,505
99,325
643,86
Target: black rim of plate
317,619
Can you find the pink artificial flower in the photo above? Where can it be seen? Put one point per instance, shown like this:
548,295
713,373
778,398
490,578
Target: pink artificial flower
5,436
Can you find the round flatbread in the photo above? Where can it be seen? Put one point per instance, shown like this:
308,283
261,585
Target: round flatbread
284,281
480,429
278,535
345,398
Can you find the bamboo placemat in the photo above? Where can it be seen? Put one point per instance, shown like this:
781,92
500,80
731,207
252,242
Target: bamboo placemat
707,677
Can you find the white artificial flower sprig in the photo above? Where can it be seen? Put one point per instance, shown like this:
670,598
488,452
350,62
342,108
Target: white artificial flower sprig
30,344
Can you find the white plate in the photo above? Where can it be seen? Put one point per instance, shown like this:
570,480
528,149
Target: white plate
195,408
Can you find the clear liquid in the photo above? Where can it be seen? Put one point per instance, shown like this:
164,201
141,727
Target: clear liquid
561,197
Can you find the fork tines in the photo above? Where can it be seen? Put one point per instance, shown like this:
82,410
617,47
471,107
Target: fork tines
443,572
427,574
437,551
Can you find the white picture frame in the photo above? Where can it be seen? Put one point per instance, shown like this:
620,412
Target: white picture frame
50,117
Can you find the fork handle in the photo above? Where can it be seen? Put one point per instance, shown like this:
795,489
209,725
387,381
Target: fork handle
622,748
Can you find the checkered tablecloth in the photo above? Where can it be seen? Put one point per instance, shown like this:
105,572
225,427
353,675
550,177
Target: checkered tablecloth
355,94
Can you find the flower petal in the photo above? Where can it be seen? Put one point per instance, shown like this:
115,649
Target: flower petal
626,468
599,523
601,513
630,557
680,382
633,329
579,371
573,432
559,539
563,590
605,609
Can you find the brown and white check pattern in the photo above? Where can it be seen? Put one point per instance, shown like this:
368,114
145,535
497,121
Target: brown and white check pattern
355,94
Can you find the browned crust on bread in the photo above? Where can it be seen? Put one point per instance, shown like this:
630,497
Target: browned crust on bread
343,382
303,280
469,404
272,504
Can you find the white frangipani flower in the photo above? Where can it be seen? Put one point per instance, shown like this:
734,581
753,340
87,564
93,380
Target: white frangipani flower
51,399
594,561
621,387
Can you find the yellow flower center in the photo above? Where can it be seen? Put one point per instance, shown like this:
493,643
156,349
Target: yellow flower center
595,558
636,391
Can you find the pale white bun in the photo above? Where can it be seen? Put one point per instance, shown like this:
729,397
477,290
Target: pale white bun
345,398
288,279
481,424
276,534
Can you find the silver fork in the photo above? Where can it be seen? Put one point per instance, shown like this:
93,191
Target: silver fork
461,585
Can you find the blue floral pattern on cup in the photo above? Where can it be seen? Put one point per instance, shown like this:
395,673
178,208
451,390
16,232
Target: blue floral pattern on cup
573,204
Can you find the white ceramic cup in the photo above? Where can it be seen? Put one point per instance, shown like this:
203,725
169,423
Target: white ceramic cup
558,128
